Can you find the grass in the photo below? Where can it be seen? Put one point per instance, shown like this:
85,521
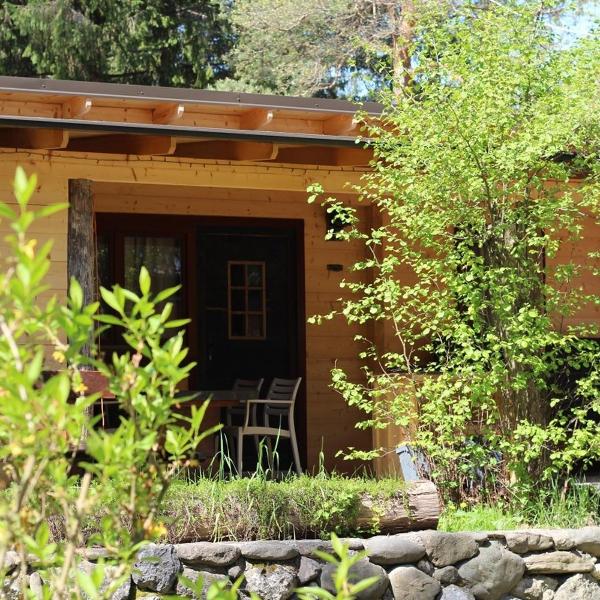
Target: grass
261,508
554,506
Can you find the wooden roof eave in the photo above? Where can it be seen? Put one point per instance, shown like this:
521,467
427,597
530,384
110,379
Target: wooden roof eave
86,136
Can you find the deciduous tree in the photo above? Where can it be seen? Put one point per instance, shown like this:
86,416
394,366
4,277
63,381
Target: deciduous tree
486,169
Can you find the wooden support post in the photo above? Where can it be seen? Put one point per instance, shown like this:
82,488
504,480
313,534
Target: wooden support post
81,243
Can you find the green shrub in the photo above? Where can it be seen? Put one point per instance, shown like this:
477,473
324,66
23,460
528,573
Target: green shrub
44,416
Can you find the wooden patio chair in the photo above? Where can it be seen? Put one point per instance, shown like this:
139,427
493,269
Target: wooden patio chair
279,403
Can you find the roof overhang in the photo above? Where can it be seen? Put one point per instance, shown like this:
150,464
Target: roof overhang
105,118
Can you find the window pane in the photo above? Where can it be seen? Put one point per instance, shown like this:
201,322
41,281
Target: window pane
236,272
163,257
255,326
255,300
238,325
105,274
255,275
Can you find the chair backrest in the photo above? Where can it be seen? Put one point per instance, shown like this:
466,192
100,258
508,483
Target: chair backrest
284,389
251,387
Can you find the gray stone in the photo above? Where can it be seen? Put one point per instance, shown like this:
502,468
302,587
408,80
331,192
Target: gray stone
408,583
236,570
446,575
586,539
557,563
11,588
578,587
445,549
533,588
596,572
481,537
123,592
36,585
453,592
308,570
156,568
271,582
493,573
354,544
311,547
394,549
207,553
363,569
271,551
425,566
522,542
11,560
93,553
202,579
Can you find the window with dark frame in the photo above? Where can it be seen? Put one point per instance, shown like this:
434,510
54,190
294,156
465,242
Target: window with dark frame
120,256
246,300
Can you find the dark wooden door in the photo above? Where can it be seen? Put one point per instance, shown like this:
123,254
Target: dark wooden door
247,304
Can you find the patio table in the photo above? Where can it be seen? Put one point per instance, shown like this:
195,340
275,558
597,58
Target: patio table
218,398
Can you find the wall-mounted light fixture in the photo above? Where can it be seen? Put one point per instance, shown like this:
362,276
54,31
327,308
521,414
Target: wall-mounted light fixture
335,224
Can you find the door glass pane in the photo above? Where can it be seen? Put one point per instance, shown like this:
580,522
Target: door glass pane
237,272
254,273
255,326
163,257
238,300
246,308
255,300
238,325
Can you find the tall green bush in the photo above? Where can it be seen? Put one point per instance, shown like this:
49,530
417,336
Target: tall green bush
486,166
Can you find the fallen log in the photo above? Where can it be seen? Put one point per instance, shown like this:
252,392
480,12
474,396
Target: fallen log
418,506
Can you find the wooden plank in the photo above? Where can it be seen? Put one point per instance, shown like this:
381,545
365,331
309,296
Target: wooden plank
322,155
31,138
168,114
77,107
125,144
176,171
341,125
257,118
228,150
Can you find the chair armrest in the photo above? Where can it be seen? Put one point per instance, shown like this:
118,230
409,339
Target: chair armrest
249,402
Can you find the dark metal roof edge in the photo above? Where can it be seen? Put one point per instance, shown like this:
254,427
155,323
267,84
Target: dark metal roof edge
179,131
208,97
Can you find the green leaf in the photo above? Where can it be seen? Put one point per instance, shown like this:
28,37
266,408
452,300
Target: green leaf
111,299
144,281
76,294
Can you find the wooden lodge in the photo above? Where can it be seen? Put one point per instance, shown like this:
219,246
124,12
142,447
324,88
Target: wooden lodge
208,190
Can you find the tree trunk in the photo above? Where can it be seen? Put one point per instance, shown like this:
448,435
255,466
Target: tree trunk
403,31
81,243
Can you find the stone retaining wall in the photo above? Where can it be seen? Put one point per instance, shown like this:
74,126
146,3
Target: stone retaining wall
426,565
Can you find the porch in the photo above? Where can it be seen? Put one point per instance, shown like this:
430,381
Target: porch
205,188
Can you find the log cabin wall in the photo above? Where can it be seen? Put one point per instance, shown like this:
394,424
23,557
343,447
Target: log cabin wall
226,190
